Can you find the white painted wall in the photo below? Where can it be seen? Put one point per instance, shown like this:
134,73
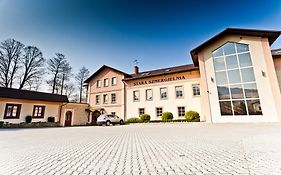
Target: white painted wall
264,84
51,110
169,105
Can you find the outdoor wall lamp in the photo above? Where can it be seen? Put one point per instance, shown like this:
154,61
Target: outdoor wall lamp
263,73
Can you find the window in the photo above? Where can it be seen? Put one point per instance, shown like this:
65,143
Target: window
98,83
12,111
97,99
235,79
105,98
181,111
196,89
113,98
148,94
163,93
38,111
113,113
105,82
179,91
113,81
141,111
136,95
159,111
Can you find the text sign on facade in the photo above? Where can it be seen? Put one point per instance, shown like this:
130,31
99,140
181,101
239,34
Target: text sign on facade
160,80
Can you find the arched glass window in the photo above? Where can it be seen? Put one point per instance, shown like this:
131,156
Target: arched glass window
235,79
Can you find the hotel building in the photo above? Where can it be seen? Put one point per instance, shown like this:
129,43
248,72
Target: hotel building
235,77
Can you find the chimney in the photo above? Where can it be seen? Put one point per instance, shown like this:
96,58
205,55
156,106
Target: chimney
136,70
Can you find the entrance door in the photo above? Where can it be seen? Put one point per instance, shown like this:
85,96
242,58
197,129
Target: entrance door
68,118
95,116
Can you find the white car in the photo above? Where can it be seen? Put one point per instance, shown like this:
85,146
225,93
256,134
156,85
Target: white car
108,119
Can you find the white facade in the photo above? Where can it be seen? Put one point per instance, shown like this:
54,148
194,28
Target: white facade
169,104
52,109
265,77
255,100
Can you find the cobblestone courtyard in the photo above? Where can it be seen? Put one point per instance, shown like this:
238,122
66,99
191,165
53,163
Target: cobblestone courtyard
198,148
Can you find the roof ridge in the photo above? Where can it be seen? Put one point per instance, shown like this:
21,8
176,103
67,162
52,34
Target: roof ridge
32,91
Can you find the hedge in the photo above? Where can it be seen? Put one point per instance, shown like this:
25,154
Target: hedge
167,116
192,116
145,118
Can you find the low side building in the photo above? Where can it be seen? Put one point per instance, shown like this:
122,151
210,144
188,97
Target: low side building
75,114
16,104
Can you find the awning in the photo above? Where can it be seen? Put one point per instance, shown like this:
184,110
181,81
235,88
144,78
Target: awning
94,109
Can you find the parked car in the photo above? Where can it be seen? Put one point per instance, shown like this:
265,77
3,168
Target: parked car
108,119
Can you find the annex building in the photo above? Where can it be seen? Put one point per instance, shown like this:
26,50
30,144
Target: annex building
235,77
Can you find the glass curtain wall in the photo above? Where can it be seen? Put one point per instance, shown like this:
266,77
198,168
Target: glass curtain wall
235,79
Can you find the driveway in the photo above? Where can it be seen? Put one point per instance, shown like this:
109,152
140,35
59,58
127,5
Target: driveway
196,148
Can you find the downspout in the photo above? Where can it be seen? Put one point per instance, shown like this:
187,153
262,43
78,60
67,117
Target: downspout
211,117
125,101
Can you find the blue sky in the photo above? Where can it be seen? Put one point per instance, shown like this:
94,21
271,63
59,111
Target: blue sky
115,32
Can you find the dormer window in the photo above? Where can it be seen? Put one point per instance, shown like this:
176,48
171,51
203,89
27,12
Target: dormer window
145,74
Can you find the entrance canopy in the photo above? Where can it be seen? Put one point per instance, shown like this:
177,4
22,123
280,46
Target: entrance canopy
94,109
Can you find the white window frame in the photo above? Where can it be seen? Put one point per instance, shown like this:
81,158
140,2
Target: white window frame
104,82
146,97
112,81
98,99
194,90
113,102
182,92
156,110
164,98
227,78
103,98
136,91
181,111
140,111
98,83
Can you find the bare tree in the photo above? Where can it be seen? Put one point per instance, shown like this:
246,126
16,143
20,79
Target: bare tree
11,51
69,90
55,66
33,63
65,75
34,84
80,78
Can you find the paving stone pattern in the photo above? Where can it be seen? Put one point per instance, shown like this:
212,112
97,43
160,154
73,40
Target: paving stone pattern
197,148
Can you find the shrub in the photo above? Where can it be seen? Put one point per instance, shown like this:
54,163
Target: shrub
28,119
133,120
51,119
192,116
145,118
1,124
167,116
